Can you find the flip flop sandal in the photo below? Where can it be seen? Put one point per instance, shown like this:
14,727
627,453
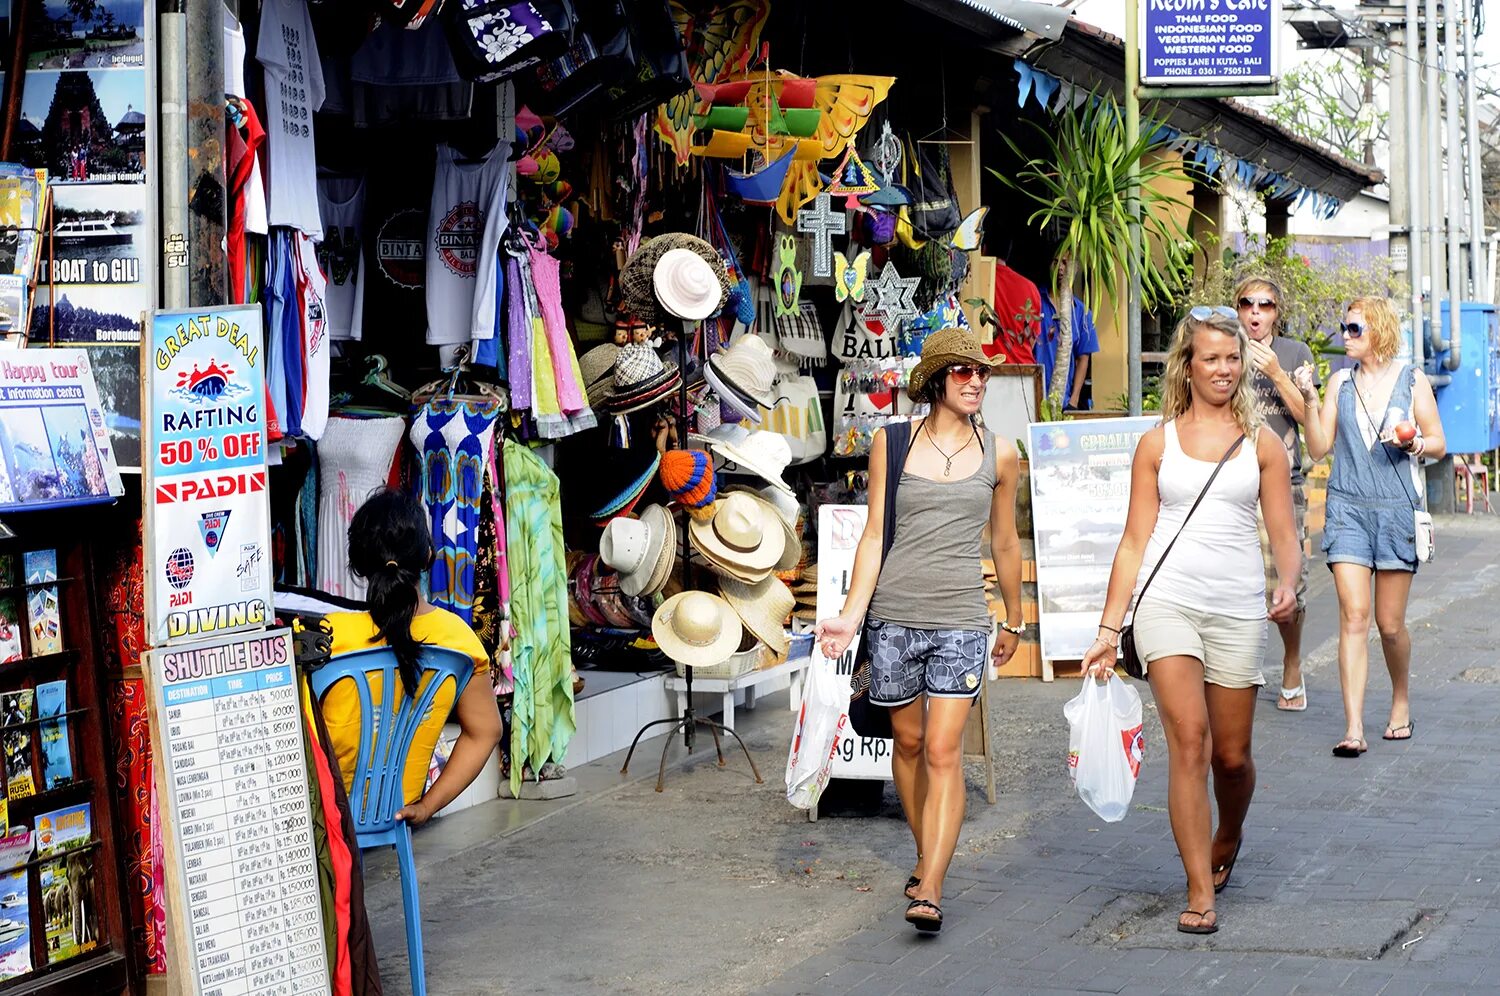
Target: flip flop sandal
1228,868
1343,748
1200,927
911,884
1410,728
925,922
1288,694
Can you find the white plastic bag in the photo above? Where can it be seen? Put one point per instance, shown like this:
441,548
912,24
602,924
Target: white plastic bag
825,711
1105,745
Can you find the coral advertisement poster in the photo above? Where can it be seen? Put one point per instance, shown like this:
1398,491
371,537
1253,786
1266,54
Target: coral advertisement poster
206,475
54,443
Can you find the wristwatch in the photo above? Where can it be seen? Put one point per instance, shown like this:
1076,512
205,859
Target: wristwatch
1017,630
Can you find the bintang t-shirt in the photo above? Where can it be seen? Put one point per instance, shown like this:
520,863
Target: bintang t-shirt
294,90
1291,354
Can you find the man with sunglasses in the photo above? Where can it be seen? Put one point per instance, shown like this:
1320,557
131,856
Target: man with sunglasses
1274,358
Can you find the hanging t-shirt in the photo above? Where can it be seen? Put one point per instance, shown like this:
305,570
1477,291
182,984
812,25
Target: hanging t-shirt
1085,341
398,191
458,238
341,203
1018,306
234,86
312,311
294,90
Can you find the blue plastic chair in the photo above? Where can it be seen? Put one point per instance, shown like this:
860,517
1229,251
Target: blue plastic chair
376,794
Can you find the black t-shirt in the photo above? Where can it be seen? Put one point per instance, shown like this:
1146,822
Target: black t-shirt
398,189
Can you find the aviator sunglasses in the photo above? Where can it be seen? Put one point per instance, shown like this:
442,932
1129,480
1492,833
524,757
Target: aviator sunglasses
1204,312
963,373
1263,303
1352,330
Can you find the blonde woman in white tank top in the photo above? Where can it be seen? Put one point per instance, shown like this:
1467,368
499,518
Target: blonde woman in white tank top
1201,627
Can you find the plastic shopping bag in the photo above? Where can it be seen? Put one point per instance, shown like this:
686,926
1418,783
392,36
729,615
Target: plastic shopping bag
1105,745
825,712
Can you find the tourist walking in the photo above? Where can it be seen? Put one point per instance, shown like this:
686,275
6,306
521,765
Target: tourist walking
1274,358
927,623
1379,421
1200,623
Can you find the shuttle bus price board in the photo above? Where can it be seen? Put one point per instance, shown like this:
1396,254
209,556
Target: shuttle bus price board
241,863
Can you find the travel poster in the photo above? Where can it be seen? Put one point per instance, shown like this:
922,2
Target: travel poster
15,924
15,736
70,906
55,446
57,759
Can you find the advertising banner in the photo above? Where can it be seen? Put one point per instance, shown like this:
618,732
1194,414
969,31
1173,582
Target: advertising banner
1209,42
207,568
1080,492
54,445
839,529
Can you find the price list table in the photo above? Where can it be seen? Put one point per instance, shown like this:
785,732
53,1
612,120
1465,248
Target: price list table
238,785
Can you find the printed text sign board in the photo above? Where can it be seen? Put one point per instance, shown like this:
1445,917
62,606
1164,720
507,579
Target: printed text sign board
239,827
839,529
1080,492
54,443
207,572
1209,42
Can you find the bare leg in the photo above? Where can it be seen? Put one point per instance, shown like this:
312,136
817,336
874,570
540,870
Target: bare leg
906,767
944,813
1231,717
1291,658
1177,684
1352,582
1392,590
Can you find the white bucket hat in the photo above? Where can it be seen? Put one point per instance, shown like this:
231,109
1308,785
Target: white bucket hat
763,608
742,533
764,454
782,507
686,284
744,375
697,628
635,548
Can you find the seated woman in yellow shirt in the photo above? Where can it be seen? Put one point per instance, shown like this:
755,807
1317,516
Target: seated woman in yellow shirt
390,545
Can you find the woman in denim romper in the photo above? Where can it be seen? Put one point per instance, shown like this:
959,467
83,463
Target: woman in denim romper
1373,491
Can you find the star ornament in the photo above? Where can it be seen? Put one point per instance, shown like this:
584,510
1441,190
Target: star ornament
894,297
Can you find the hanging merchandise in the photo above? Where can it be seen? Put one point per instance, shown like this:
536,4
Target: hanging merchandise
852,179
641,380
596,371
688,476
774,512
294,87
687,286
934,209
801,334
822,222
453,439
849,276
638,278
744,451
638,549
785,279
341,205
494,39
464,224
244,139
798,416
354,460
744,376
894,300
761,186
720,42
762,608
542,707
660,69
401,76
946,313
618,479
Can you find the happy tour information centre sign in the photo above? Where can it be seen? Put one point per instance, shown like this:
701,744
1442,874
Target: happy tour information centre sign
209,519
1209,42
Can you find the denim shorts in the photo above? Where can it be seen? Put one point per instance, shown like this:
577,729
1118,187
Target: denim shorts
1376,533
907,662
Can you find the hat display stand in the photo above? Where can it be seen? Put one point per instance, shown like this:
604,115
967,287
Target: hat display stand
689,721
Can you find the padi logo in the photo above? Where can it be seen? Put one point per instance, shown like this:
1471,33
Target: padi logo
212,526
179,569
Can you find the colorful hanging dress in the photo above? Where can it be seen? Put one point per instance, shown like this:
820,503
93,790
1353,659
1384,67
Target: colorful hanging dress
453,440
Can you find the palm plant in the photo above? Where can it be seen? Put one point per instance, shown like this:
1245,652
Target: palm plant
1080,188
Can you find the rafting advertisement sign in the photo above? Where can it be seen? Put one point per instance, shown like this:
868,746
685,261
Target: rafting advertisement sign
207,562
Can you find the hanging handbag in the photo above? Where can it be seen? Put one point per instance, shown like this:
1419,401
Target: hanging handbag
1424,537
867,718
495,39
660,71
1134,666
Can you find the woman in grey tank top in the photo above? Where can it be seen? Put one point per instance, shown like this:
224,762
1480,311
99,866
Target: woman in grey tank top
927,623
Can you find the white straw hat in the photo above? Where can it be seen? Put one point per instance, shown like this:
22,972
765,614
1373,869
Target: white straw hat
765,454
686,284
783,507
744,375
697,628
742,533
763,608
635,548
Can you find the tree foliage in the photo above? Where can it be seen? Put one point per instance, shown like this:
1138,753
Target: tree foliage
1325,99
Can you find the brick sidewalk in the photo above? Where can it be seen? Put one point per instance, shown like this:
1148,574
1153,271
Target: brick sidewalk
1380,874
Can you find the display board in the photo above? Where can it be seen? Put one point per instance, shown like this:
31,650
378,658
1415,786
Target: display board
1207,43
242,869
1080,493
207,569
1013,400
54,443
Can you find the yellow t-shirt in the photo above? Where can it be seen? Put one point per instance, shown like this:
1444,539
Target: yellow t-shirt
354,631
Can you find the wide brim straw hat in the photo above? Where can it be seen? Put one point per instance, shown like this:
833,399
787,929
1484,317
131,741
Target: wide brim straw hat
598,365
638,278
944,348
746,368
705,562
763,608
624,475
791,556
645,394
764,454
731,395
665,555
697,629
743,533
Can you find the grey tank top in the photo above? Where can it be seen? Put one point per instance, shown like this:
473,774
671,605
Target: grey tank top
932,578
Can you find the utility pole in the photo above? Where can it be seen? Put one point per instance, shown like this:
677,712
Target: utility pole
1133,264
1479,290
1406,241
1455,165
1434,174
207,188
1411,101
172,145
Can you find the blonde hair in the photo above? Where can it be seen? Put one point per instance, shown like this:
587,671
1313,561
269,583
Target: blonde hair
1381,324
1251,282
1177,393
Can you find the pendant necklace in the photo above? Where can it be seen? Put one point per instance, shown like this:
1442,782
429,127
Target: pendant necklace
947,467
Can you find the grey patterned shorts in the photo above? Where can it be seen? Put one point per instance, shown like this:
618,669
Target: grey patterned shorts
906,662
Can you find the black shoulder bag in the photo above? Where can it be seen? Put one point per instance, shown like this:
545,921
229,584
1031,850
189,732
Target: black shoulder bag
868,719
1134,666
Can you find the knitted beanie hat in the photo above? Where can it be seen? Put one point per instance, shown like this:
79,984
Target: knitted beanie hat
688,476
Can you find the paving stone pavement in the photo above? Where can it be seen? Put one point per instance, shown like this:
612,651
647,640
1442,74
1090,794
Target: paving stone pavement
1374,875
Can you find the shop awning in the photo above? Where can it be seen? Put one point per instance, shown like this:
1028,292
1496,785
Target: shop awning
983,17
1262,153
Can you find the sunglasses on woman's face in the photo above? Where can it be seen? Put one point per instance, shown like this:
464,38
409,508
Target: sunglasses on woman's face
1263,303
964,373
1352,330
1204,312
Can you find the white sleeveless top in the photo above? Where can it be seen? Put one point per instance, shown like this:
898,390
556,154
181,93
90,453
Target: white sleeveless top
1216,565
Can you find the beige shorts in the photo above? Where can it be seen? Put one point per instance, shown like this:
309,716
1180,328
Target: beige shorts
1299,511
1231,649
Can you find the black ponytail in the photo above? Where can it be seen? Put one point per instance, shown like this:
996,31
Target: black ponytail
390,545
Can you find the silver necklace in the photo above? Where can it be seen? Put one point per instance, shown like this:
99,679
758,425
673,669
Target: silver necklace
947,467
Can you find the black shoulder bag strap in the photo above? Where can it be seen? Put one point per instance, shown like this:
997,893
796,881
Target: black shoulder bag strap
1407,370
898,440
1222,461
